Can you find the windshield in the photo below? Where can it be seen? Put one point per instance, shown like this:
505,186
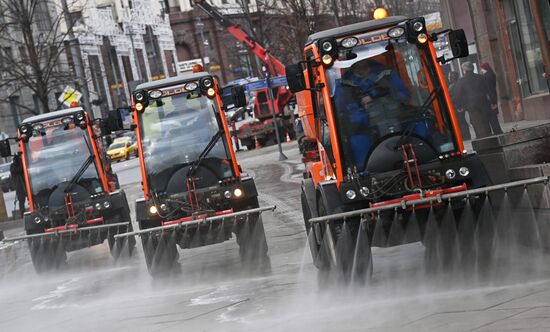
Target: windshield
175,130
384,90
55,155
117,146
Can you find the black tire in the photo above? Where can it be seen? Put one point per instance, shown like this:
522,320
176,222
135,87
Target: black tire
314,247
47,254
161,254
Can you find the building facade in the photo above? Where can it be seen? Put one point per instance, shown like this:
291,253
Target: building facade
197,36
120,43
512,36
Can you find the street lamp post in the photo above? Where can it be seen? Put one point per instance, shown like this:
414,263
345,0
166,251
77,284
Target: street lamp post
77,58
200,26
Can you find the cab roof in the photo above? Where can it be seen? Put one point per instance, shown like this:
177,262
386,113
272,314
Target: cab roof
172,81
356,28
52,115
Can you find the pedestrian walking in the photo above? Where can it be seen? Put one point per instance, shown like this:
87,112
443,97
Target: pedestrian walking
460,113
472,96
18,178
491,79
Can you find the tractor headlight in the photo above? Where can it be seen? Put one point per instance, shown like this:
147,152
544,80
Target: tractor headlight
327,59
153,209
37,220
396,32
327,46
79,116
464,171
139,96
207,83
164,207
227,194
418,26
422,38
349,42
37,127
98,206
192,86
155,94
450,174
364,191
139,107
211,92
238,192
106,204
350,194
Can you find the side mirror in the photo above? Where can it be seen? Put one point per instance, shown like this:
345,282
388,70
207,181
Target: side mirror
233,97
295,78
239,96
5,148
114,121
458,43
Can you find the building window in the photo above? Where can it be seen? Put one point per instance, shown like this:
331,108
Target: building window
526,47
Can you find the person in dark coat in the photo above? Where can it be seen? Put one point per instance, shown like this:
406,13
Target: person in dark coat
18,179
472,96
460,114
489,75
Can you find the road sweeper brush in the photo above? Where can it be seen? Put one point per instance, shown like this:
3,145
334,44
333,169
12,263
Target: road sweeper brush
460,229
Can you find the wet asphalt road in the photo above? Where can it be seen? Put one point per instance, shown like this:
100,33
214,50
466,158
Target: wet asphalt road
215,293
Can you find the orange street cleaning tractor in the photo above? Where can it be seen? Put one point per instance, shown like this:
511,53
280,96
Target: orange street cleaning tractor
71,190
195,193
385,161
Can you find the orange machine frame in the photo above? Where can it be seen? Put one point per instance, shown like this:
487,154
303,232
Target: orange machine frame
144,181
97,162
314,168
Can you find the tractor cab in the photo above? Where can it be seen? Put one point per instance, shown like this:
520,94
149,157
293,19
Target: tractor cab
189,169
373,96
185,147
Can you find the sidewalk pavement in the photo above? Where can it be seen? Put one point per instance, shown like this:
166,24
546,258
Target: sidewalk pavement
509,127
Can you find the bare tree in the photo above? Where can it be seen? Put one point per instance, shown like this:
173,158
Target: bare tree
34,42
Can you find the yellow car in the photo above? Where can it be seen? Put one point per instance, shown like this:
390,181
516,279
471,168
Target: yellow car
122,149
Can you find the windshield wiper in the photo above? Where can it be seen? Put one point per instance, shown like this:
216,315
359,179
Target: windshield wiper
410,128
82,168
205,152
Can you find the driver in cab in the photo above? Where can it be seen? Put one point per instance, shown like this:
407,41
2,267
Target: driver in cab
377,91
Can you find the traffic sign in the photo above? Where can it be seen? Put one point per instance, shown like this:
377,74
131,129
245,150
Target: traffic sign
69,96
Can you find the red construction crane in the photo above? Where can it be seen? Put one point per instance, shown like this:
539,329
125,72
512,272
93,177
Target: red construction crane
262,110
